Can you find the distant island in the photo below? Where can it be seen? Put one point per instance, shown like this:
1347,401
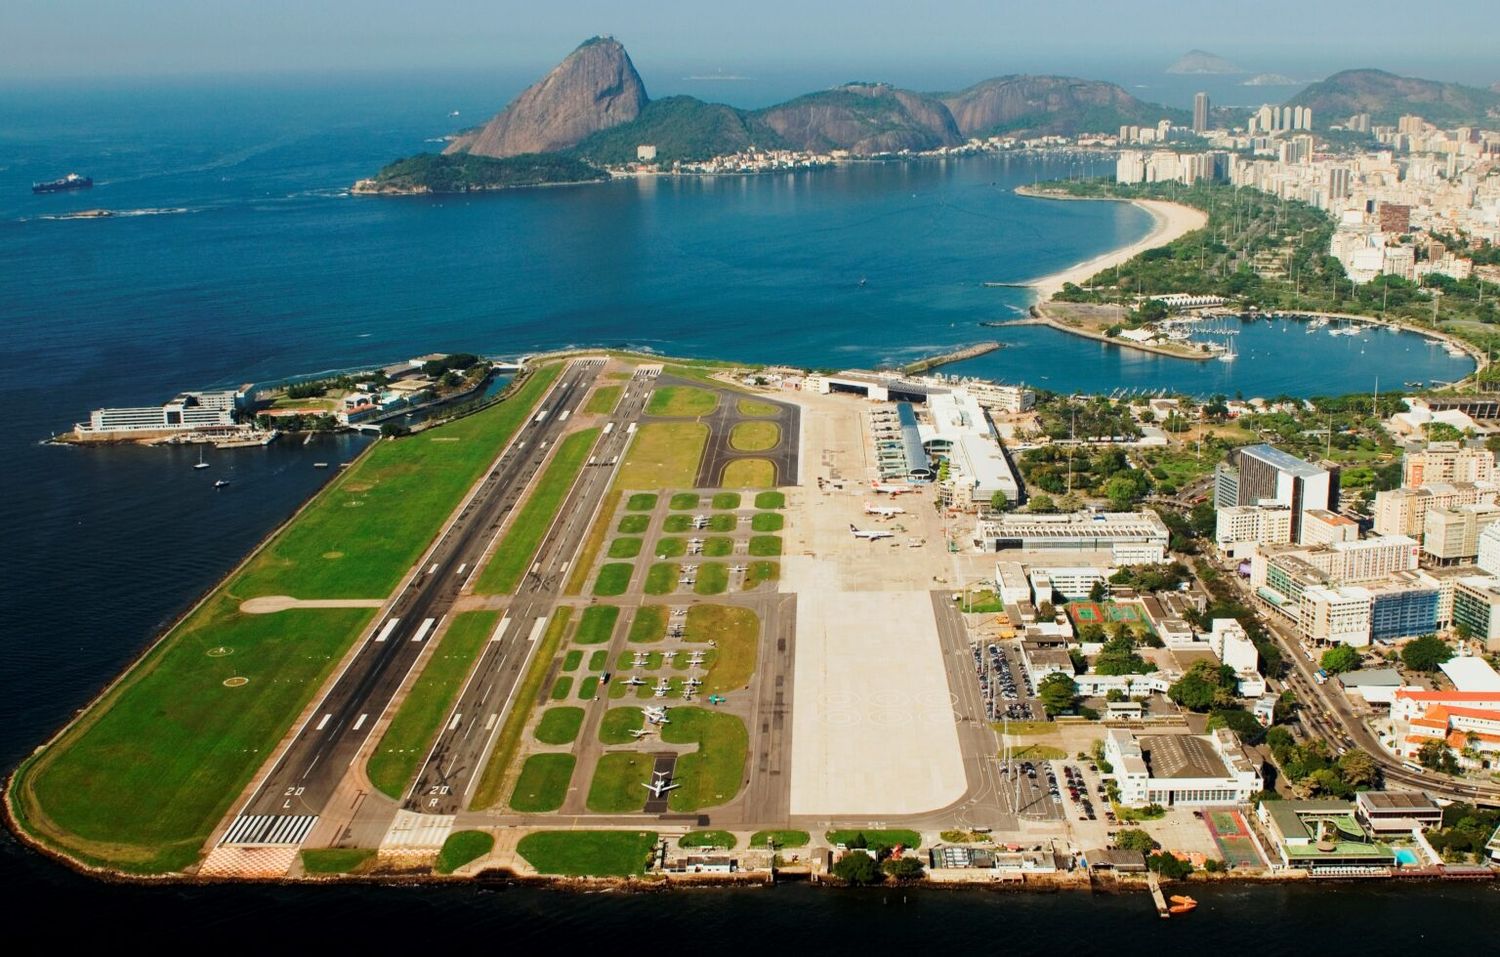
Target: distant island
1270,79
464,173
1199,62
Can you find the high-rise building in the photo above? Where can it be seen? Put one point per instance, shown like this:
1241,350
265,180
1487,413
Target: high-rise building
1200,113
1447,462
1338,182
1263,475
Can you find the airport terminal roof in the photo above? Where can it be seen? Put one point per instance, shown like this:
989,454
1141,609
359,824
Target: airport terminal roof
1182,756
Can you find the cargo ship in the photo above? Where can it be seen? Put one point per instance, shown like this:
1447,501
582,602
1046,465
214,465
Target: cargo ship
71,181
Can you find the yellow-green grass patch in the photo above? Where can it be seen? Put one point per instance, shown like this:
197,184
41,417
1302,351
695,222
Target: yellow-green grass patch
408,737
726,501
613,579
641,502
684,501
619,779
578,577
755,436
767,522
661,578
889,837
735,632
599,660
625,548
663,455
487,792
542,784
780,839
634,524
617,724
770,500
336,860
711,775
765,546
596,624
722,522
572,660
749,473
463,847
712,578
588,853
756,407
561,687
670,547
604,400
559,725
649,624
718,547
757,573
513,555
681,401
677,523
588,687
721,839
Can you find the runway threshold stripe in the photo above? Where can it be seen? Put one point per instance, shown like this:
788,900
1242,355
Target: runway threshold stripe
324,723
360,721
423,629
500,629
536,629
489,722
390,626
457,719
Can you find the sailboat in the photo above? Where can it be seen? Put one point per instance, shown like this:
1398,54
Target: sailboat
201,464
1228,355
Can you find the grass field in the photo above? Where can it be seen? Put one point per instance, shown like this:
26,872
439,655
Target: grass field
735,632
661,578
878,838
559,725
579,576
572,660
461,848
618,782
684,501
710,775
613,579
604,400
487,791
596,624
598,660
513,555
757,573
336,860
755,436
681,401
676,524
670,547
722,523
617,724
756,407
765,546
713,578
718,547
588,853
649,624
625,548
641,502
767,522
782,838
721,839
562,687
663,455
587,688
769,500
1037,752
634,524
726,501
404,745
543,782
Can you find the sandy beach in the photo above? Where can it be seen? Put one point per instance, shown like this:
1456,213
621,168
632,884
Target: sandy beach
1169,221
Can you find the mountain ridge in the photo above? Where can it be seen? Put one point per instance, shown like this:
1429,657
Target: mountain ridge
1387,96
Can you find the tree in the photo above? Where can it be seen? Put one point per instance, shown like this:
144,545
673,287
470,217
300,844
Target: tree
1339,659
1359,769
1041,502
1058,693
1426,653
1135,839
1170,866
856,868
904,868
1205,685
1098,591
999,503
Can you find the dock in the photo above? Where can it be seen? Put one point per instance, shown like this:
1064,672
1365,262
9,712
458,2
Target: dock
1160,899
944,358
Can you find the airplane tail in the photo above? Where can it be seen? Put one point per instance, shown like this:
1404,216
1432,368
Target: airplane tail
852,528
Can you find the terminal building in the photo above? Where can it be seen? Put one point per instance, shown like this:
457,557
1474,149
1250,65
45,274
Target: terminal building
1130,538
1169,769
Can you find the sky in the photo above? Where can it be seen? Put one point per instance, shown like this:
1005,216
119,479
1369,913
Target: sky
893,40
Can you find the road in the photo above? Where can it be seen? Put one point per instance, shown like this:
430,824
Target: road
452,768
286,805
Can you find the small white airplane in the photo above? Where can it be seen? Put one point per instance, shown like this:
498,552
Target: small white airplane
659,785
661,689
737,568
884,511
640,659
693,682
890,488
700,521
634,681
639,733
678,612
870,534
656,716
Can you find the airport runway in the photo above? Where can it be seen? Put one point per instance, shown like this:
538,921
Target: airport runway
453,766
293,795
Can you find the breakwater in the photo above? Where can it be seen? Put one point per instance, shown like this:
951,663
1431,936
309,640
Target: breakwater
944,358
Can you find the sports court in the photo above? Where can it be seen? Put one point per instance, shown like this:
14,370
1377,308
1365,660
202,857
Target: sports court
1096,613
1233,839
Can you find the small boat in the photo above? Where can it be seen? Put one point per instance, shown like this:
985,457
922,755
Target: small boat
221,483
320,465
1181,904
201,463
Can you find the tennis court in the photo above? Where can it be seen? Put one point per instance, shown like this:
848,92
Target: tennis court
1233,838
1094,613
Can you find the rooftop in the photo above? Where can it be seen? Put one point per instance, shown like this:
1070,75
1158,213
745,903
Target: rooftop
1284,461
1396,801
1181,756
1471,674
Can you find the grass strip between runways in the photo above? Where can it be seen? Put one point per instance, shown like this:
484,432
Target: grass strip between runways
513,556
410,733
578,577
490,782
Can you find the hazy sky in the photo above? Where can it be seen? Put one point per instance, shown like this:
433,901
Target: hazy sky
1448,39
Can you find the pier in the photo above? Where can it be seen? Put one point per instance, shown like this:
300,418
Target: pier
944,358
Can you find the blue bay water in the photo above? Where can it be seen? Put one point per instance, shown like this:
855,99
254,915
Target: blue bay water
236,254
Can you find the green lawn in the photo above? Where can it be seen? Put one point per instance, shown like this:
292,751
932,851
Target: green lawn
749,473
407,738
782,838
487,792
878,838
718,547
596,624
562,687
604,400
535,516
543,783
713,578
336,860
461,848
663,455
618,723
662,577
676,524
587,688
723,523
619,779
735,632
765,546
670,547
681,401
756,407
588,853
572,660
649,624
721,839
625,548
598,660
559,725
641,502
758,572
634,524
710,775
613,579
726,501
770,500
755,436
684,501
767,522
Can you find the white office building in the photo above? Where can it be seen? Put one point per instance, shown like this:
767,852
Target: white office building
1211,770
186,412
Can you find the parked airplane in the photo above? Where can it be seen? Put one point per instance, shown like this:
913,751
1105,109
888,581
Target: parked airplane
639,733
659,785
634,681
884,511
891,488
870,534
656,715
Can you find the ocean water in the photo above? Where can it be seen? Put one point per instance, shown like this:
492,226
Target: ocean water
236,255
